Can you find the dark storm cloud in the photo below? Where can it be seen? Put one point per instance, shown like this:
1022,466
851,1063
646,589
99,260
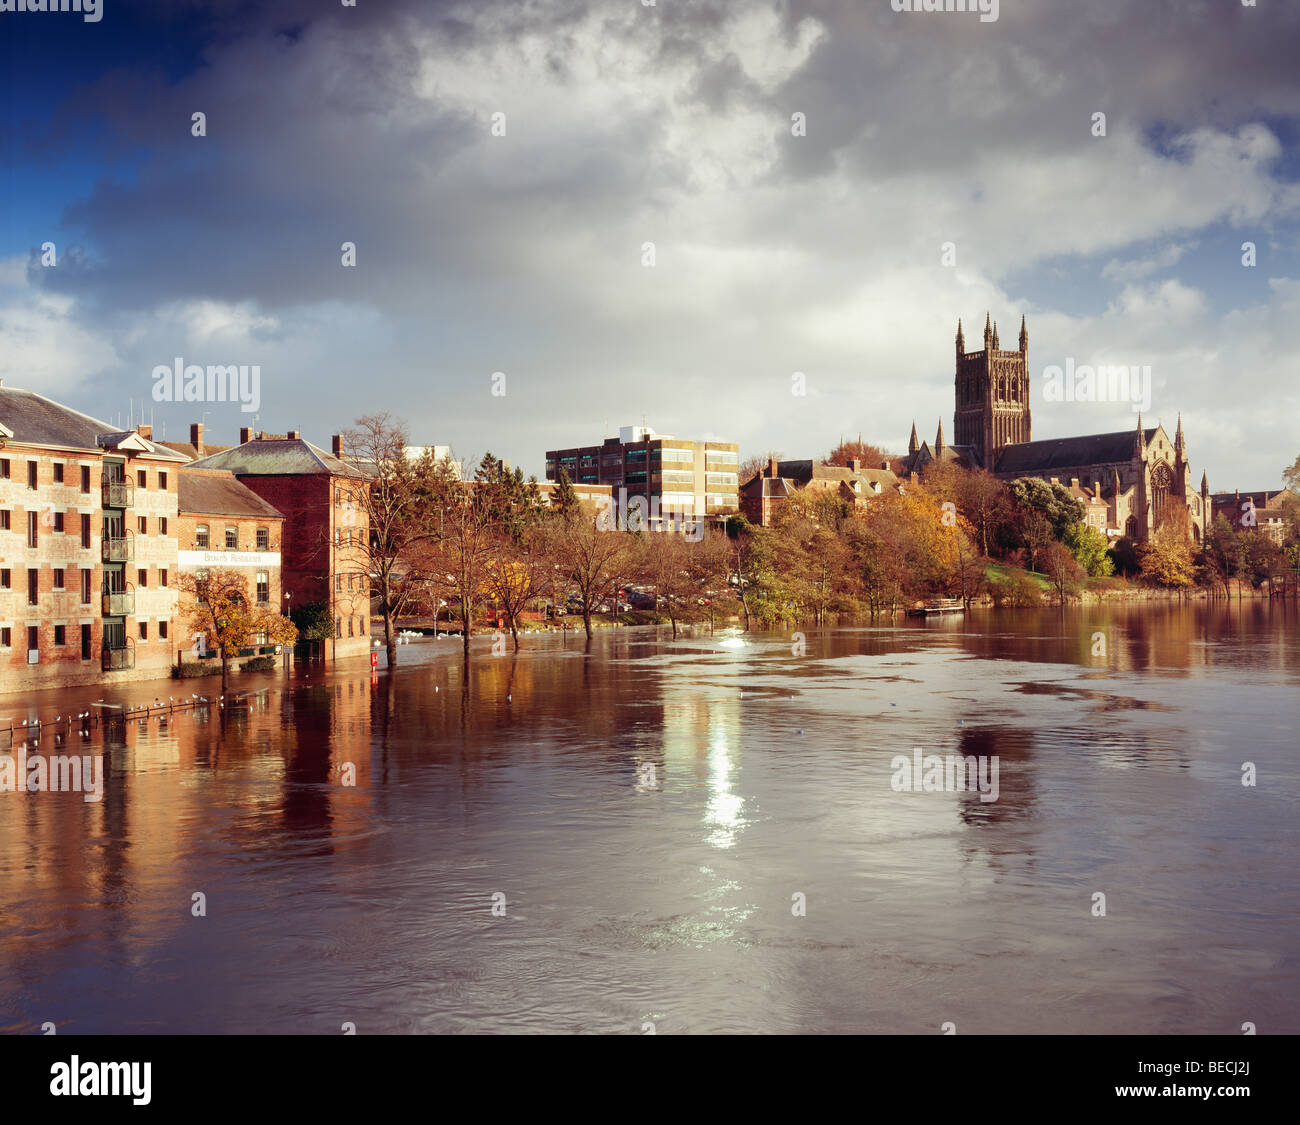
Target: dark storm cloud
668,124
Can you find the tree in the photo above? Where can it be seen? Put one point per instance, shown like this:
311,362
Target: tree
1036,533
313,621
1125,557
507,501
879,560
1291,475
592,557
813,560
1166,558
465,540
519,572
756,466
747,562
564,499
1223,557
871,456
1052,500
1062,570
986,502
223,614
1088,546
398,489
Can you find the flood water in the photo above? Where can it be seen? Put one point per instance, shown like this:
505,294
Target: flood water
348,837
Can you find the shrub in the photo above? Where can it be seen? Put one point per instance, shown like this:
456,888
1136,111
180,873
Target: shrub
1015,588
194,669
259,664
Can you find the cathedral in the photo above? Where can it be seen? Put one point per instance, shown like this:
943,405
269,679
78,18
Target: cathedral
1129,482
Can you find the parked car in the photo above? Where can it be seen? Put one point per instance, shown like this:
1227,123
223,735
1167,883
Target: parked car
639,600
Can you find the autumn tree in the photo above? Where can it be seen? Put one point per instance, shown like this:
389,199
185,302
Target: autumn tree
870,456
227,620
1063,571
399,490
879,559
519,571
1166,558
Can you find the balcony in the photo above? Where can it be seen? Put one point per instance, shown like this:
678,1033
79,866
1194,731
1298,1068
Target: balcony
119,603
116,659
118,493
119,550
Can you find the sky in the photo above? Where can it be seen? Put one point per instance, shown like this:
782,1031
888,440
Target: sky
944,166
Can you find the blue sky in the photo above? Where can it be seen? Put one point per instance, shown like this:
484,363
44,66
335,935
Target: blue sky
670,124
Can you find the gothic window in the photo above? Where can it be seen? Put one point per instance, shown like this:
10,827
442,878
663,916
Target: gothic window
1161,482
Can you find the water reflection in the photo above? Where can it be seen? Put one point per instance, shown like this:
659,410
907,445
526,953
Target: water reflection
348,831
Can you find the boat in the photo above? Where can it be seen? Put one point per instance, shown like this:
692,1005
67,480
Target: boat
937,606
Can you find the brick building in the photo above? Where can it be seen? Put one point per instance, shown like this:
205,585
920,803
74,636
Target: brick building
325,529
763,496
87,547
1264,510
225,525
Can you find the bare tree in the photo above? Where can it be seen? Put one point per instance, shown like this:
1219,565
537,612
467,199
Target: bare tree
465,542
592,560
754,466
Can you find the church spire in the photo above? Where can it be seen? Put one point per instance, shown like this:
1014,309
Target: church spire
938,440
1024,335
912,443
988,331
1205,485
1139,438
1180,443
961,340
996,345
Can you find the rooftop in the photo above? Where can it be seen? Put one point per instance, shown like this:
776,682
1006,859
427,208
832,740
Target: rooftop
210,493
33,419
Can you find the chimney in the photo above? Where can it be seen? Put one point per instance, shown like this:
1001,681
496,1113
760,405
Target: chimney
771,467
293,435
1074,482
885,465
336,446
245,434
855,464
196,437
145,431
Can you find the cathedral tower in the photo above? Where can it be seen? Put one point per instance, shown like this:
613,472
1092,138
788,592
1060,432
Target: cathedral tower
992,394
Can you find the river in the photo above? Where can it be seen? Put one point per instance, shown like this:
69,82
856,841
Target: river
690,836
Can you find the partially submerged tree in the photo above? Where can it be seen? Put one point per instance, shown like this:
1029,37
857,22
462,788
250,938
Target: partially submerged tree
399,489
222,618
